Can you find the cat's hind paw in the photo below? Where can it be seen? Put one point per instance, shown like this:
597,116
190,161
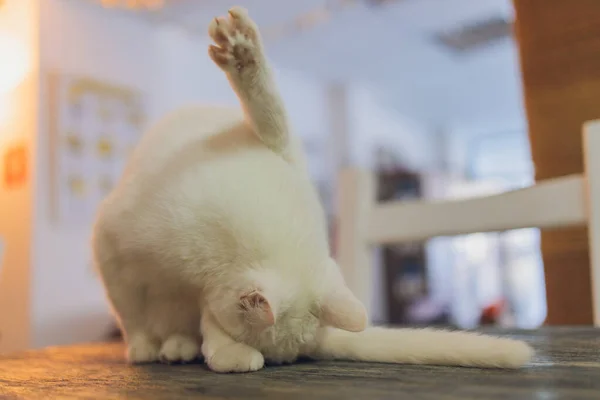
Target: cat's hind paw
141,350
237,40
178,348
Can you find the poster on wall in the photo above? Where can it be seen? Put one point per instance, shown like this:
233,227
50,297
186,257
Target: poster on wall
94,126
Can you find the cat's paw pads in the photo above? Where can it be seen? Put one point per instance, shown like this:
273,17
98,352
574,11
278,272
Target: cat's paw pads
237,41
178,348
236,358
141,350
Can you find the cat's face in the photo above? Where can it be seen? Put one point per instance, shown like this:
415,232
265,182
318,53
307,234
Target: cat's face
281,317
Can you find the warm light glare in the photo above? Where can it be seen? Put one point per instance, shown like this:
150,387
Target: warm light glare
134,4
14,65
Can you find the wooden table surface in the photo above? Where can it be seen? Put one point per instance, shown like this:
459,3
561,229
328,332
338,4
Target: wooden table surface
567,366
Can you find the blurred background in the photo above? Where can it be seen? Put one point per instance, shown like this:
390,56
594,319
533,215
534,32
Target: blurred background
426,93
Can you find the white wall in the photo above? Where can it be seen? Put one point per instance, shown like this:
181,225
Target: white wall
68,301
185,74
460,137
373,125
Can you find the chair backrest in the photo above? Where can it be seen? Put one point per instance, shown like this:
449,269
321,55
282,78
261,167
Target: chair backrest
566,201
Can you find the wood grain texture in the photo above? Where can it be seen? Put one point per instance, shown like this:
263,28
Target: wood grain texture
559,44
567,365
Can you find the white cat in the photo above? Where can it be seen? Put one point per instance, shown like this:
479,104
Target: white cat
215,228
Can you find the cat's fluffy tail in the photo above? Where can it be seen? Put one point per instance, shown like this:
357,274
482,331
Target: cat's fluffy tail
423,346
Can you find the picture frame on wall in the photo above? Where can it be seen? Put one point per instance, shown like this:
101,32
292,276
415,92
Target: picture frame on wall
93,128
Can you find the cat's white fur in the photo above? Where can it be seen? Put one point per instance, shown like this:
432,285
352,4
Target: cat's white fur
214,243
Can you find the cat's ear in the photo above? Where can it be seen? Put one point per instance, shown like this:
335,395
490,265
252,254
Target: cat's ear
341,309
257,309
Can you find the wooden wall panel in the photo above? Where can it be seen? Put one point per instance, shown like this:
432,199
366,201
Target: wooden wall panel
559,44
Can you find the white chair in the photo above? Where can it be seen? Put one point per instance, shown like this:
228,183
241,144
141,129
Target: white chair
566,201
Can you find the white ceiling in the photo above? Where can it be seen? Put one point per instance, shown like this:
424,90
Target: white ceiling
391,48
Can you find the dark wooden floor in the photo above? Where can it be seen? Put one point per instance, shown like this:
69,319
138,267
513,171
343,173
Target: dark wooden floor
567,366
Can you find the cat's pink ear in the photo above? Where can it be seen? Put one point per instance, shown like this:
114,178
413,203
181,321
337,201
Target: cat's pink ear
341,309
257,309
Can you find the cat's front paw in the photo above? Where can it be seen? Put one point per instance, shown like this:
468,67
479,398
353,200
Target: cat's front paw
141,349
178,348
237,39
236,357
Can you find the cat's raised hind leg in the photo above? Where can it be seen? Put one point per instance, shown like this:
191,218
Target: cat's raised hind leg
239,52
